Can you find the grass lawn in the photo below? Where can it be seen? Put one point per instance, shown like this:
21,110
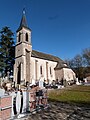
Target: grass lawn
73,94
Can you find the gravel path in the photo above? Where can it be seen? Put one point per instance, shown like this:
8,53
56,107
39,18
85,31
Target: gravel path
61,111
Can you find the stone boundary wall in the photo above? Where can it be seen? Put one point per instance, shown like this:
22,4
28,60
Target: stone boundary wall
37,100
5,107
21,102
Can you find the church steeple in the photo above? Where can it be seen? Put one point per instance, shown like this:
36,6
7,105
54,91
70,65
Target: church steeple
23,51
23,22
23,32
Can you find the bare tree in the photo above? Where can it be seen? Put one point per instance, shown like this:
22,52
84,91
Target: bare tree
86,56
77,65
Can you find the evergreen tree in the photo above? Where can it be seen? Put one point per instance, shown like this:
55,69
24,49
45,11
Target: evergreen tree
6,50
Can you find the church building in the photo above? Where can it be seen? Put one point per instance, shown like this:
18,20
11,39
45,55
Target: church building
31,65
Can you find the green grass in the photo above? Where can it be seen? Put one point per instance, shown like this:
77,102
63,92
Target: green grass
74,94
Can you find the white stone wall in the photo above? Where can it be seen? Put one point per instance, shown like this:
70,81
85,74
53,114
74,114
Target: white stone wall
20,53
21,49
68,74
59,74
42,62
23,68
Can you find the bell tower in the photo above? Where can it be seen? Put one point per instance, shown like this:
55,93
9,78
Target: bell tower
23,49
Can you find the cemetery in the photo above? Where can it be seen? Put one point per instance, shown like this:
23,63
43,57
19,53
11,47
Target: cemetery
36,76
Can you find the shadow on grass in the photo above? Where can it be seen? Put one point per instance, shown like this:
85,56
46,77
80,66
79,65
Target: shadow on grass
79,103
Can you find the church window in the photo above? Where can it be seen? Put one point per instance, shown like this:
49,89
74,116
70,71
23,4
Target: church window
50,71
41,70
19,74
27,37
19,37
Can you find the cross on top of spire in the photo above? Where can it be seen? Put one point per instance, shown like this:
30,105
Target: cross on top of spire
24,11
23,22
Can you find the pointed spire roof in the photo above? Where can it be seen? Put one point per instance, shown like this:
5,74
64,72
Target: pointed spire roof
23,22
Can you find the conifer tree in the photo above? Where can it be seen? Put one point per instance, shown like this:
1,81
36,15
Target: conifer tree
6,50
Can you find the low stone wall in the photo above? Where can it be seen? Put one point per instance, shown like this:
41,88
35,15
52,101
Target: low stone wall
37,99
5,107
21,102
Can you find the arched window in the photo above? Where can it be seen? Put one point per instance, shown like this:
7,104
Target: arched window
27,37
19,74
19,37
41,70
50,71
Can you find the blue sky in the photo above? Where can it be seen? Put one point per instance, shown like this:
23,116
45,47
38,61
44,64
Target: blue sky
59,27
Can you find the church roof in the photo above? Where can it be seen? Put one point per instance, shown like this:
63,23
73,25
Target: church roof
60,62
23,22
